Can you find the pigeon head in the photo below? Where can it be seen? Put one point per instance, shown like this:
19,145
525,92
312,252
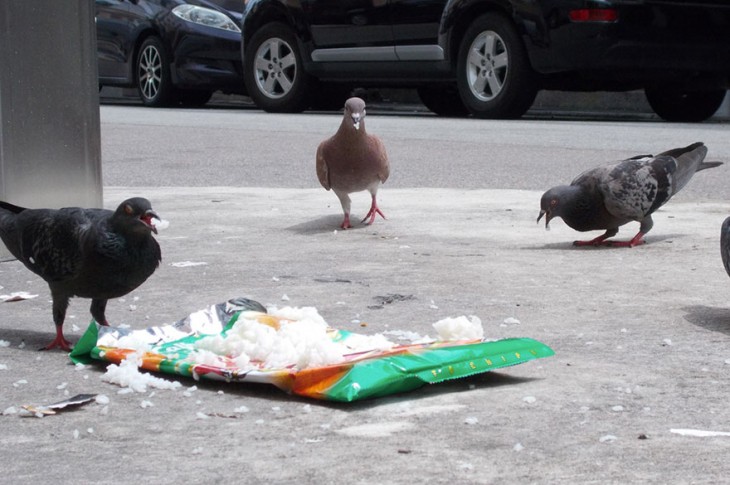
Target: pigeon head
355,111
136,214
556,202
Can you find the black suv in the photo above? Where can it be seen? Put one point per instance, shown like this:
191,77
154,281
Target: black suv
488,58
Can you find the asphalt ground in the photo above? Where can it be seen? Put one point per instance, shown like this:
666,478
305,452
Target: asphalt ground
641,339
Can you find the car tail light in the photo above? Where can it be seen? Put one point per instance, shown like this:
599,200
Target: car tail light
593,15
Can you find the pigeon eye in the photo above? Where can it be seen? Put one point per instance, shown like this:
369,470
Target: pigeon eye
128,210
553,203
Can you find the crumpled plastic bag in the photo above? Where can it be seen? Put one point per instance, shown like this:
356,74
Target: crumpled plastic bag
360,375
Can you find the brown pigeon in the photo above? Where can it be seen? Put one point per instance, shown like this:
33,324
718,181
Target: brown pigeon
352,161
89,253
616,193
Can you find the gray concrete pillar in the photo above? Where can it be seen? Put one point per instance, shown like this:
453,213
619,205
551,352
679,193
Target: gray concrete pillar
50,148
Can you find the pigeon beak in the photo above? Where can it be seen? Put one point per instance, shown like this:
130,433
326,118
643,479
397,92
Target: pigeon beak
147,217
356,121
548,216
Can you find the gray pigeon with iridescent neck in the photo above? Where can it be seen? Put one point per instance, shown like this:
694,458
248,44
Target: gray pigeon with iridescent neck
611,195
353,161
89,253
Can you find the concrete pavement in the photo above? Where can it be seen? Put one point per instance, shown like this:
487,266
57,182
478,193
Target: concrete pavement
642,342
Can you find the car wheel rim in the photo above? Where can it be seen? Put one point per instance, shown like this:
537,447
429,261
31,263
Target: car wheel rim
150,72
486,66
275,68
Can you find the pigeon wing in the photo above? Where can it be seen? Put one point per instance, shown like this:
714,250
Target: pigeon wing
636,187
50,242
322,168
380,156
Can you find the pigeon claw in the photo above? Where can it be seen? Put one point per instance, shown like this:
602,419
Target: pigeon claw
374,210
603,241
59,342
638,240
599,241
371,215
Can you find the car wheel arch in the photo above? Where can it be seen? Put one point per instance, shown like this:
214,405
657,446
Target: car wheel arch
268,12
463,15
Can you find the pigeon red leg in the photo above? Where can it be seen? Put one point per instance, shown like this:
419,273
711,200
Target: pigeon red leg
593,242
374,210
98,310
346,222
345,202
636,241
599,240
60,304
646,224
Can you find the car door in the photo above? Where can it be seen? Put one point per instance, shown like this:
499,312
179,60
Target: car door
416,26
350,30
110,34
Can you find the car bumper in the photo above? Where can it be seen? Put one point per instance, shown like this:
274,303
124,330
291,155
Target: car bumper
649,39
207,58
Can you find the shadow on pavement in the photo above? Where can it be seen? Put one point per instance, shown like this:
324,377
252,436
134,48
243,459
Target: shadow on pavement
568,244
709,318
33,341
326,224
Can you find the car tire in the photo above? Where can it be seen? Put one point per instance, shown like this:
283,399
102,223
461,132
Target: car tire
274,73
494,76
154,82
193,97
443,100
684,106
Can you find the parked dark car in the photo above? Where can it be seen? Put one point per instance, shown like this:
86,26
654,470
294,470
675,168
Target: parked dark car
172,51
489,58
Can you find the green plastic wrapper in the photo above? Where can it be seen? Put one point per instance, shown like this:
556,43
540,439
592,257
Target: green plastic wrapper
359,375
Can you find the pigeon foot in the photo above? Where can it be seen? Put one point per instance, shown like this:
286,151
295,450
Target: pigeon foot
600,240
603,241
638,240
59,342
346,222
374,210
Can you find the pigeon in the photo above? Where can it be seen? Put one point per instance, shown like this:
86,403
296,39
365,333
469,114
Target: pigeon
616,193
353,161
88,253
725,244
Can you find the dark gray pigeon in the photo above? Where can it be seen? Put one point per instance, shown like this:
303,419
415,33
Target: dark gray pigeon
616,193
725,244
353,161
89,253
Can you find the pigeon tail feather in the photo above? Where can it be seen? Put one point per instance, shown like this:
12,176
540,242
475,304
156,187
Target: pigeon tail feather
706,165
12,208
690,159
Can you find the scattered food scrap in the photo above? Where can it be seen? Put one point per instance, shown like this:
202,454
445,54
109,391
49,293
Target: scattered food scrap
50,409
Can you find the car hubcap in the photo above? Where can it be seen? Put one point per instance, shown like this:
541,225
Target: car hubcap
150,72
487,66
276,68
